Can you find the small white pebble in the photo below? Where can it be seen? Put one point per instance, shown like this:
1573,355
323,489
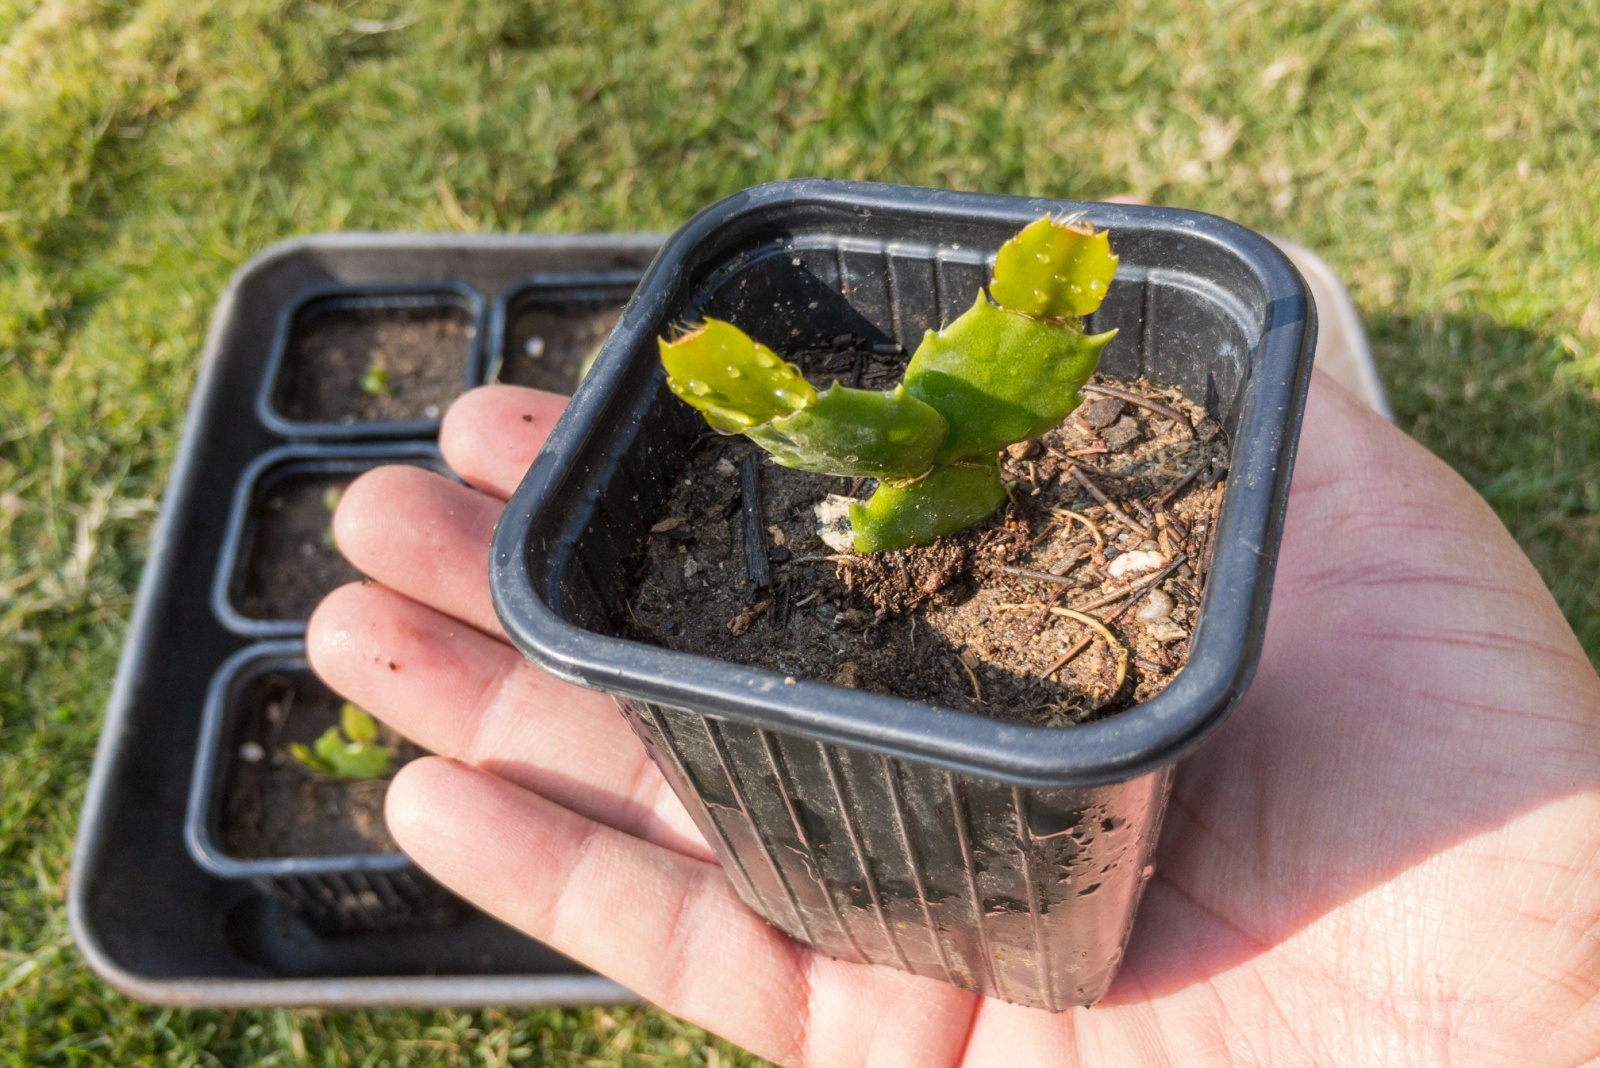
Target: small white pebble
1135,561
788,680
1158,605
833,522
252,753
690,567
431,411
725,468
533,348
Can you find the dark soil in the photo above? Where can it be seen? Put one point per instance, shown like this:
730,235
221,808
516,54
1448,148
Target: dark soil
423,353
548,344
291,562
274,807
960,623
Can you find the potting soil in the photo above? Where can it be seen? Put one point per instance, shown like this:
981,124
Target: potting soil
276,807
292,562
548,343
1076,601
422,352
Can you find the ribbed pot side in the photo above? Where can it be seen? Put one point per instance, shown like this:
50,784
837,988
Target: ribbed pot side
1022,894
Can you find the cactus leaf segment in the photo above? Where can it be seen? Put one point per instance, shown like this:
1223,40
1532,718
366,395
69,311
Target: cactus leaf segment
857,432
1005,371
741,386
951,498
1053,270
348,751
998,377
735,381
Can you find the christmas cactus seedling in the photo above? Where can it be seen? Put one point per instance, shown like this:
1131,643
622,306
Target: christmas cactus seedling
1008,369
348,751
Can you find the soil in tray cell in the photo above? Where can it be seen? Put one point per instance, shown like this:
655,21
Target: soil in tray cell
1075,601
369,365
275,807
548,345
292,562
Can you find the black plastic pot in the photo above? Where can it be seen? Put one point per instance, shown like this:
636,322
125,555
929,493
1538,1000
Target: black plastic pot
261,478
1004,859
336,895
399,299
562,299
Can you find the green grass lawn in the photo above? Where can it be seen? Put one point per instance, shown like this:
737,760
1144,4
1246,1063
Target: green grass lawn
1443,158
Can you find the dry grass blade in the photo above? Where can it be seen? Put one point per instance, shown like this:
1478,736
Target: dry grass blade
1067,513
1105,632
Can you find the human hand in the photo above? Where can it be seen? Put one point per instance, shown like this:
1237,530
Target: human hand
1390,853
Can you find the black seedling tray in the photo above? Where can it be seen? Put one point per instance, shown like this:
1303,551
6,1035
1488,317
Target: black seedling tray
337,894
148,919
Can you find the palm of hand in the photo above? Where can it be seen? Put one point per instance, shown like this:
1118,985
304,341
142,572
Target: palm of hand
1390,852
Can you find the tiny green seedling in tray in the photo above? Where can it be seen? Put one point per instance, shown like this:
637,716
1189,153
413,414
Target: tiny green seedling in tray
349,751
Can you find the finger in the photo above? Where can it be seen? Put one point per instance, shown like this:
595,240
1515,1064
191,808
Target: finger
461,694
491,434
666,926
423,535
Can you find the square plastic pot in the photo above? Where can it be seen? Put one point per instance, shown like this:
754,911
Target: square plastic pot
564,298
1002,858
267,473
403,299
335,895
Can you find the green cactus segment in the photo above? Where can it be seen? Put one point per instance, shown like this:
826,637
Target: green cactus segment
1008,369
948,500
735,381
358,724
999,377
857,432
1053,270
348,751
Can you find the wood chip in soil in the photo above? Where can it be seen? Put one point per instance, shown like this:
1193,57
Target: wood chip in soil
981,620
